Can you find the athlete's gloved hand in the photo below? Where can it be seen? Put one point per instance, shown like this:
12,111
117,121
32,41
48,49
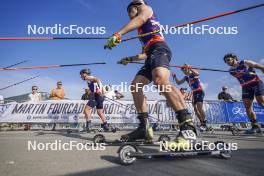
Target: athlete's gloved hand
125,60
113,41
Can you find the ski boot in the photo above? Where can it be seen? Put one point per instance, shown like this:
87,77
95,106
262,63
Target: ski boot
143,131
105,127
187,135
87,127
185,139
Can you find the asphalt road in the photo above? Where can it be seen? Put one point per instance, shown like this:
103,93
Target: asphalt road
16,159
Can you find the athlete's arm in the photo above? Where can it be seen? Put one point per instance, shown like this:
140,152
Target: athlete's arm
179,82
128,60
254,65
138,57
144,13
195,72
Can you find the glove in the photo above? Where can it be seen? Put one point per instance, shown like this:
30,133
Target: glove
125,60
113,41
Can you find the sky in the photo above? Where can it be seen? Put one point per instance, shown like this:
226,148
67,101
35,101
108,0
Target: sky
198,50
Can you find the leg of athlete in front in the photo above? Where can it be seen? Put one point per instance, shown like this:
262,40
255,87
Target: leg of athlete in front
174,97
137,93
141,107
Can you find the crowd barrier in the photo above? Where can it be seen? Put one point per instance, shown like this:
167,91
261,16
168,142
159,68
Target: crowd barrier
71,111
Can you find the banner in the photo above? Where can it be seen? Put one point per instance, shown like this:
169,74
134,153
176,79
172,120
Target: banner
71,111
236,112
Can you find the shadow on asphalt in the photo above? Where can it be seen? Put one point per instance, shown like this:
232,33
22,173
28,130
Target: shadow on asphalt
244,162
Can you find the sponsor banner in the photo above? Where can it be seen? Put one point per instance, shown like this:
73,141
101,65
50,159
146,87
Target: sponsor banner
71,111
237,112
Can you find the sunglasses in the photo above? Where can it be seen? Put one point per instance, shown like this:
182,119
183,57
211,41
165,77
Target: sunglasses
34,89
228,59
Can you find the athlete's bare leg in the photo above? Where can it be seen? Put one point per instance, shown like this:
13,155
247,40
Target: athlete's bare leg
87,113
249,109
101,115
141,106
137,93
87,116
174,97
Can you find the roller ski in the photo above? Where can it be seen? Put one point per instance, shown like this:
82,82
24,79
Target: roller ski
100,138
128,154
143,135
104,127
181,146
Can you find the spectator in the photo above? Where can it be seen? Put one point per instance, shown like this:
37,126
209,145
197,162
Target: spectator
186,95
86,95
224,95
57,94
34,96
118,95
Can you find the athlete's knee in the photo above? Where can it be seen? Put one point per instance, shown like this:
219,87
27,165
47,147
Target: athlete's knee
100,112
160,81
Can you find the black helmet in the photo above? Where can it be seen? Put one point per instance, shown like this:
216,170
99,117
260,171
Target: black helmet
87,71
228,55
135,3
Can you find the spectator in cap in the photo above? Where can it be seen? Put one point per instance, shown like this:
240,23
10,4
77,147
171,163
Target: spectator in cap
57,94
224,95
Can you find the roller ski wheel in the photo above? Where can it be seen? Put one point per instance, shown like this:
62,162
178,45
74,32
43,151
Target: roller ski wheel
164,138
210,130
125,155
69,131
113,130
99,138
235,131
225,152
